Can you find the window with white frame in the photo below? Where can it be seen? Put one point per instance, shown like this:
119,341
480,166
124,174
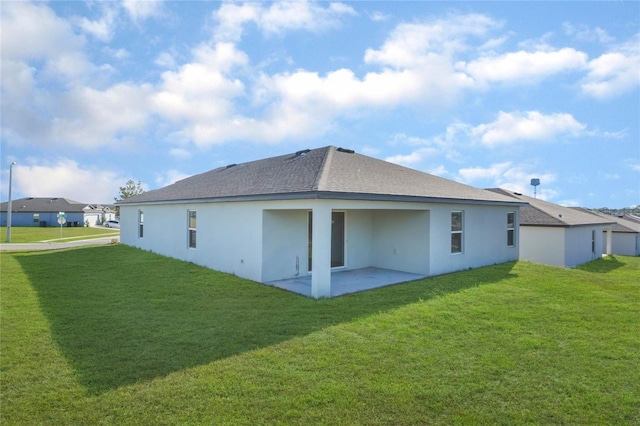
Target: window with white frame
192,228
511,229
140,224
456,231
36,217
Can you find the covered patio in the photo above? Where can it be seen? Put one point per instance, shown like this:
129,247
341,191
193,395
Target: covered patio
348,281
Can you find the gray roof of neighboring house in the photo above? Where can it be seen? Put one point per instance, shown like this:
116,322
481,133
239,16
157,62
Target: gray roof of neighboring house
99,208
621,224
632,218
327,172
43,205
543,213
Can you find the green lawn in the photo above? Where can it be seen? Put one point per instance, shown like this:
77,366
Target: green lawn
33,234
115,335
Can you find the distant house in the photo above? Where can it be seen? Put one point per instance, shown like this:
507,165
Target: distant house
97,214
560,236
302,219
625,239
38,211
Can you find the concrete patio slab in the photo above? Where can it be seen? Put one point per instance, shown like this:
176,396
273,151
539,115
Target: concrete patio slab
351,281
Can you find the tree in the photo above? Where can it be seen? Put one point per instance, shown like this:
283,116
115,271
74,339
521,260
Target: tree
130,189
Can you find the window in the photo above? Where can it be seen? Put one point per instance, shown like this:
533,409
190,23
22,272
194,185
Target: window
456,232
192,229
140,224
511,229
36,217
593,241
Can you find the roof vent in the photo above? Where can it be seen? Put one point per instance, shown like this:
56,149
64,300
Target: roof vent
302,152
30,198
518,193
560,216
231,165
346,151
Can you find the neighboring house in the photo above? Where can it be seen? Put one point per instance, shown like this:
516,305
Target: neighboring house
560,236
625,239
97,214
308,214
38,211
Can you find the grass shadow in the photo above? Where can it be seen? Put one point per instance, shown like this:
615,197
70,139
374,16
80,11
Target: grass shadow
603,265
121,315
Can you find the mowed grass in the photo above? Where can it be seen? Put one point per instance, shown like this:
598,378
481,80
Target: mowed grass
33,234
115,335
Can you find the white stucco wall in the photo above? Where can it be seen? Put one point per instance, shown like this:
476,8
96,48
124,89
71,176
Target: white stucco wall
229,235
578,249
484,237
400,240
266,241
561,246
542,244
285,244
625,243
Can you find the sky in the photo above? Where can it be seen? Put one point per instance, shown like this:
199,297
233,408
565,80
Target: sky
490,94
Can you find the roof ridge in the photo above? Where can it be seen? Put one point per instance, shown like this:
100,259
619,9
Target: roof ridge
323,174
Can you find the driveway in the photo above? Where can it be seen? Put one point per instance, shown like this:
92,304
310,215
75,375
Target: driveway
55,246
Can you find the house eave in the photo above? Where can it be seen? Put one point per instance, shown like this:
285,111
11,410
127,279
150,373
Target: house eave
565,225
328,195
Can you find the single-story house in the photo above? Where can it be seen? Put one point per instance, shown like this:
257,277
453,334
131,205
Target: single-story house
297,221
39,211
557,235
97,214
625,239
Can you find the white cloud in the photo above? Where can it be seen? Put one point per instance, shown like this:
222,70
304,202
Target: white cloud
410,160
532,126
509,176
83,117
377,16
90,118
168,177
278,18
103,28
231,18
139,10
32,32
586,33
165,60
615,72
119,54
180,153
492,173
66,178
200,93
438,171
412,45
523,67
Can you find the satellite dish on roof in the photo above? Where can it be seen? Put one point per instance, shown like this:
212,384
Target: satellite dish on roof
535,182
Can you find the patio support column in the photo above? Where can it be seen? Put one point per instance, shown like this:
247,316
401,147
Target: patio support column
321,249
608,242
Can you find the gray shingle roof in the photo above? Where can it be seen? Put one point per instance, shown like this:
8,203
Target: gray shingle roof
544,213
44,204
323,172
621,224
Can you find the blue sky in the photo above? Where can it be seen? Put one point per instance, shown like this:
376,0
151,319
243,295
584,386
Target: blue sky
490,94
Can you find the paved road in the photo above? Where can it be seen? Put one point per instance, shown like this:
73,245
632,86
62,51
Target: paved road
54,246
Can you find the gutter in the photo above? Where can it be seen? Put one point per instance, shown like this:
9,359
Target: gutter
328,195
